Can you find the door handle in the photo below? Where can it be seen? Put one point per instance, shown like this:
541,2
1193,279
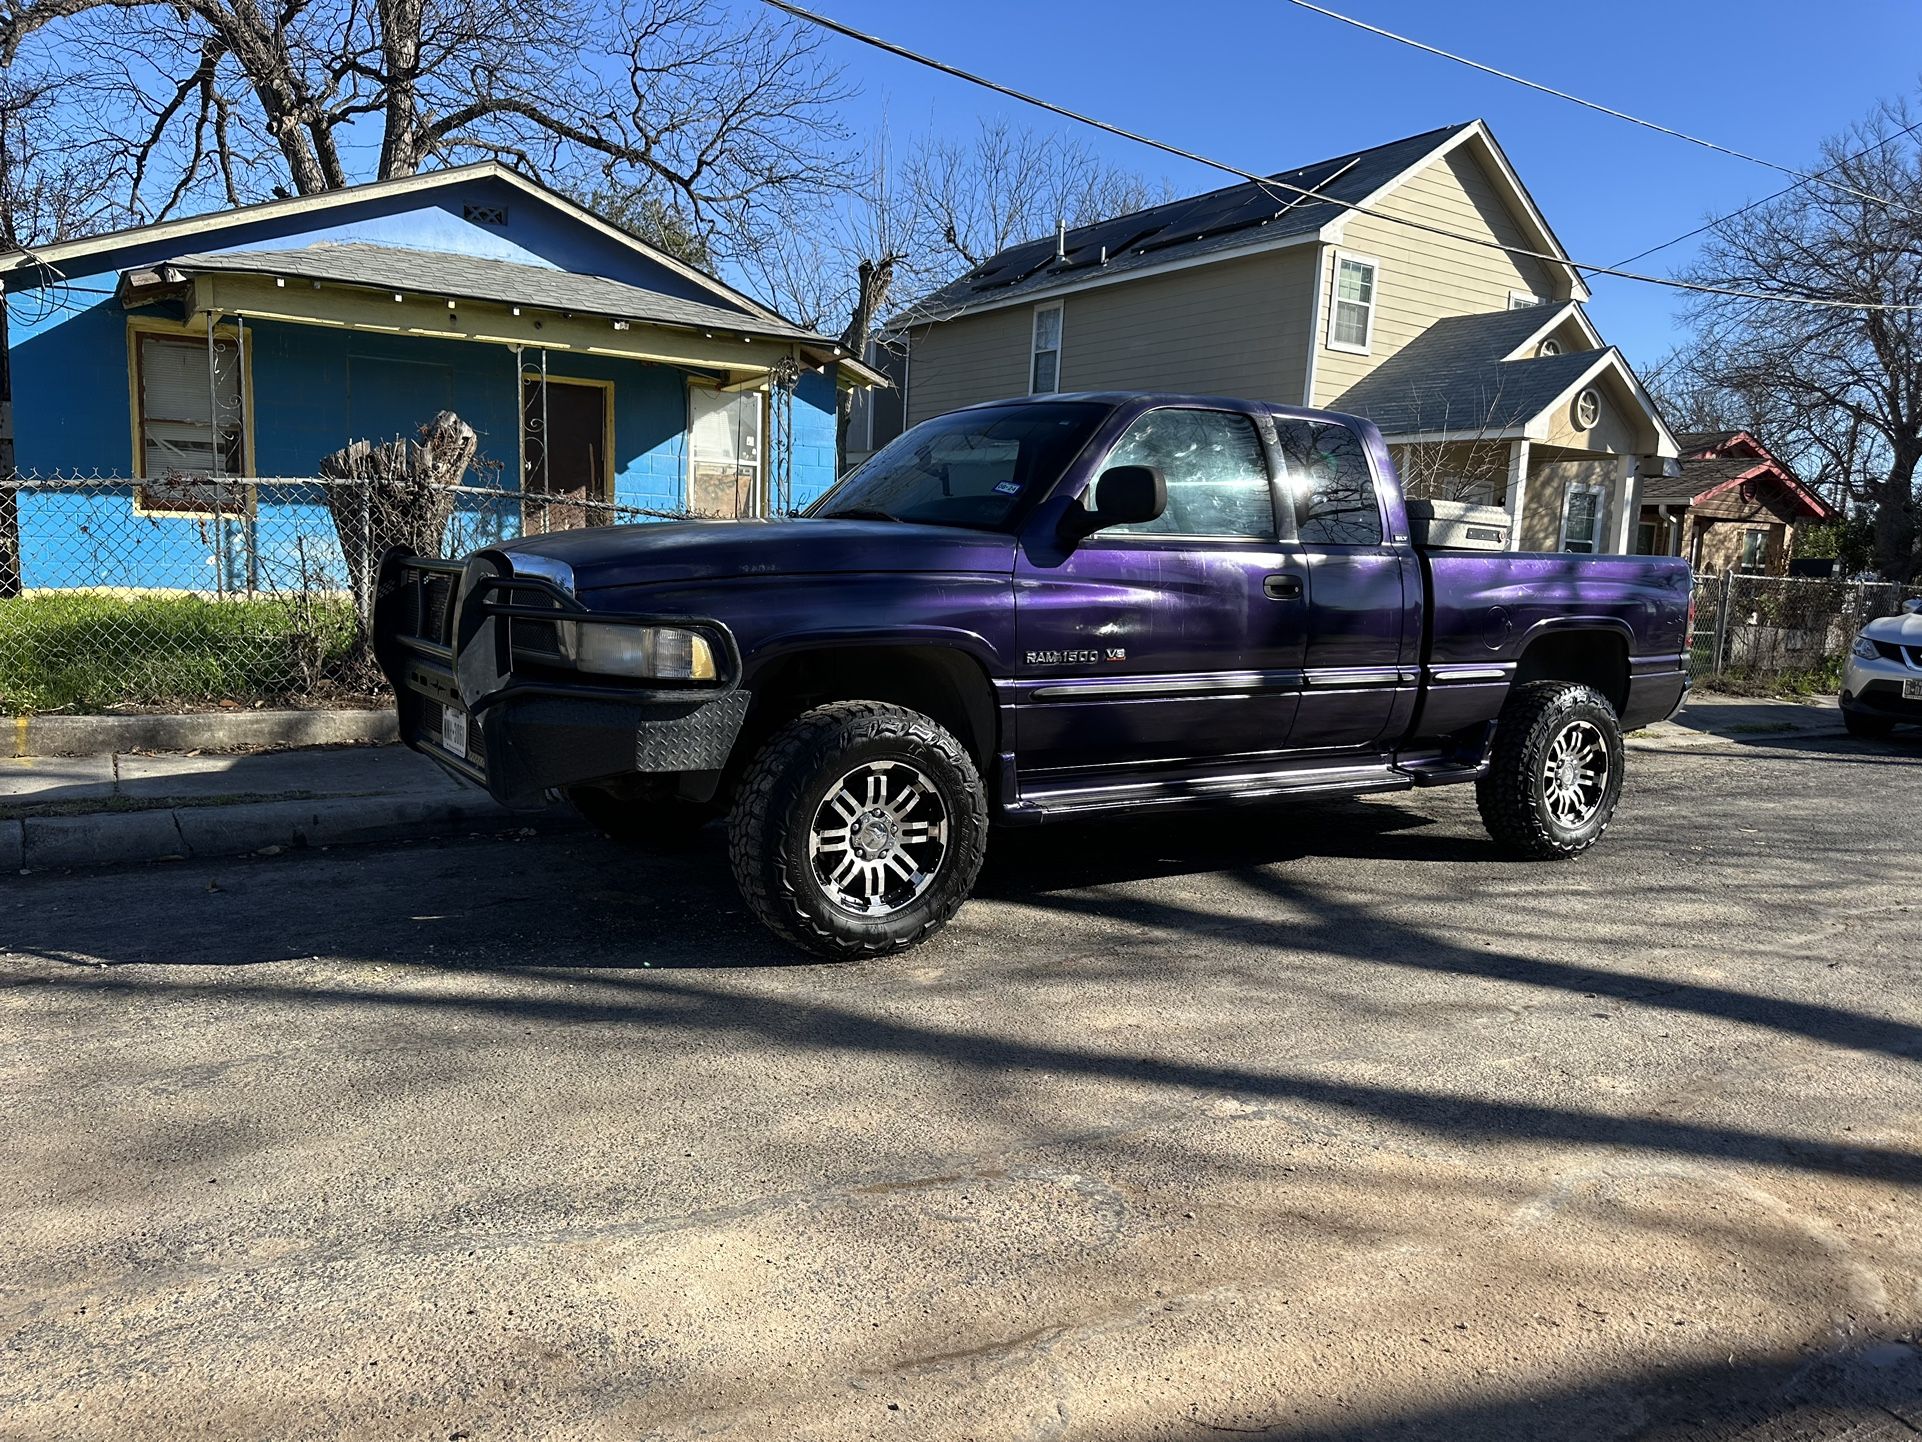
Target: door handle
1281,588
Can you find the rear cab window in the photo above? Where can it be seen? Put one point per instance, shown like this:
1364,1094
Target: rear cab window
1326,473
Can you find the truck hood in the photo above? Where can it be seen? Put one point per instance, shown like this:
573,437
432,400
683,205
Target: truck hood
662,553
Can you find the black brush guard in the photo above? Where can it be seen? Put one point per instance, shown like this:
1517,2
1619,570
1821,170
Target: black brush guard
445,635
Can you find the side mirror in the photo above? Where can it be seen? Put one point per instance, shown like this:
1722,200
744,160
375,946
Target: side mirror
1123,496
1913,607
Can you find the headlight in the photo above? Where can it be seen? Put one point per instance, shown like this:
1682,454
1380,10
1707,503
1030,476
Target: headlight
658,653
1865,648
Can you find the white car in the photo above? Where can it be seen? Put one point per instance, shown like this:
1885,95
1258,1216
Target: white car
1882,684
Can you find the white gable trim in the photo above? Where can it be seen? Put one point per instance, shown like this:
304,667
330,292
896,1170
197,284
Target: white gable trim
1567,310
1533,221
298,206
1610,362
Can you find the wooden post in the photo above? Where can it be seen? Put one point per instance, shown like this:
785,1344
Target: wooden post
1517,493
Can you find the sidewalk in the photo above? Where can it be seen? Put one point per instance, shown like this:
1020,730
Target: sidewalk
94,810
1710,720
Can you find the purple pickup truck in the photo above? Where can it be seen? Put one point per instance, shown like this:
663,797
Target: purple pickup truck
1029,611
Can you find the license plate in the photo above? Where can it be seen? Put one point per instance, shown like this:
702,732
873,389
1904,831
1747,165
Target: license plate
453,731
1912,690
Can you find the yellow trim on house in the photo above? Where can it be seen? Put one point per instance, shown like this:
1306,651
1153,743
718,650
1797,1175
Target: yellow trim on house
195,330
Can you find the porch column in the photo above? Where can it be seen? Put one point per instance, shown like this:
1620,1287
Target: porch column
1630,500
1677,523
1517,494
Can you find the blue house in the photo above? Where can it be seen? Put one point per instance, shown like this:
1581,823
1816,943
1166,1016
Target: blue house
190,360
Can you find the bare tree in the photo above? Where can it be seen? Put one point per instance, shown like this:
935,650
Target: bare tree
1007,184
54,183
1838,389
227,100
910,225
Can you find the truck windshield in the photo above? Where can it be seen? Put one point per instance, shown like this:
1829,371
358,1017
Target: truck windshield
982,469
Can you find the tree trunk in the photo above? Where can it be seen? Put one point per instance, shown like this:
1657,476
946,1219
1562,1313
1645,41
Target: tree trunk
1895,520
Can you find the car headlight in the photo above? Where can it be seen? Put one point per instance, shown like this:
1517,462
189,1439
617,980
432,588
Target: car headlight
1865,648
657,653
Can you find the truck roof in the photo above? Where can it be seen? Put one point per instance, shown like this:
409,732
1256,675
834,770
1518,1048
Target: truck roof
1172,398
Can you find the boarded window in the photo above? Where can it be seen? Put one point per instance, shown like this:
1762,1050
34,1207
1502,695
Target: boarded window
191,422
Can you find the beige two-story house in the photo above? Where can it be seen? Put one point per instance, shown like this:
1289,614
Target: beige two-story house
1477,362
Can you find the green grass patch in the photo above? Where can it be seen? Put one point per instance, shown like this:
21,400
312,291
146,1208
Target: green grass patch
88,651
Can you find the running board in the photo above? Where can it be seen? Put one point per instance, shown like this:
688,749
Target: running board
1046,802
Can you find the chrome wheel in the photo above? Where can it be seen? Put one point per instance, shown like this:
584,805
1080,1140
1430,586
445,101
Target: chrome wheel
879,838
1575,775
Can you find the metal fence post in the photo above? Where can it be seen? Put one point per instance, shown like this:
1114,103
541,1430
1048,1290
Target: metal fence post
1721,622
366,550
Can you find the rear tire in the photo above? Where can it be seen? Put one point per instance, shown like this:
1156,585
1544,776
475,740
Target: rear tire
1555,774
661,824
1869,728
858,830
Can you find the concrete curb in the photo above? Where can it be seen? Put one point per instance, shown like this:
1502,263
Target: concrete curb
105,838
193,731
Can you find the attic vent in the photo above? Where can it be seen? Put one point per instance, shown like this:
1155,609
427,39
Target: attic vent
484,214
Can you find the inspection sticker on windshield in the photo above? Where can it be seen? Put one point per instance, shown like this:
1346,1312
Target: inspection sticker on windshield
453,731
1007,488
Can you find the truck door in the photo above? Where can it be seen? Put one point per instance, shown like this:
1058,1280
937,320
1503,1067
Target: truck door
1360,679
1173,641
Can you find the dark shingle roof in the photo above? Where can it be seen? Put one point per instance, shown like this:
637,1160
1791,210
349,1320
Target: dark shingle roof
1703,440
1697,476
1220,220
466,277
1452,377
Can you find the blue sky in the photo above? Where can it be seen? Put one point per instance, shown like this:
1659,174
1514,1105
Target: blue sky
1264,85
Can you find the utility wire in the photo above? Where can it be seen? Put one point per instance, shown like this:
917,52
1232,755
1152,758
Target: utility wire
1598,107
1714,221
1268,184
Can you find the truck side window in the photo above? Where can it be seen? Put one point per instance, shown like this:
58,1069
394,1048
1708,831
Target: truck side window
1217,477
1327,473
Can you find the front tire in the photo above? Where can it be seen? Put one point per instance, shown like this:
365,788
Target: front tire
1869,728
1555,774
858,830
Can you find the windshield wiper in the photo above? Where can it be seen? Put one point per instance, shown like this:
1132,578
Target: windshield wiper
858,513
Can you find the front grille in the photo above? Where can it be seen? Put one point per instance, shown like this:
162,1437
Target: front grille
436,596
1891,651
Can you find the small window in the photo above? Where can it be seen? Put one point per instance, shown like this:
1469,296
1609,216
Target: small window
1216,473
1524,300
1645,538
1582,520
1351,322
1755,551
192,411
1588,408
484,214
1044,374
1333,486
1549,347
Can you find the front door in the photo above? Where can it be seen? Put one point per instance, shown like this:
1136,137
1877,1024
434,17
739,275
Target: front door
566,441
1179,640
724,453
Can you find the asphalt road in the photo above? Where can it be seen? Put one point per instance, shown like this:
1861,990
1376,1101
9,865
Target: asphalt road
1320,1123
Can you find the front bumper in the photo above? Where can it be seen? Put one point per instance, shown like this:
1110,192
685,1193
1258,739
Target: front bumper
1874,688
444,634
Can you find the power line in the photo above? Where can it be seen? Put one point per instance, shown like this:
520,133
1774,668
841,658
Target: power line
1268,184
1598,107
1714,221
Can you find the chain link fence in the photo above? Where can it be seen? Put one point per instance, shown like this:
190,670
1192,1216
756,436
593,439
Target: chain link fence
1768,634
119,593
